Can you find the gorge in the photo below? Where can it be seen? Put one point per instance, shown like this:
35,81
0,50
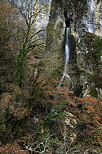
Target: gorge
51,77
80,30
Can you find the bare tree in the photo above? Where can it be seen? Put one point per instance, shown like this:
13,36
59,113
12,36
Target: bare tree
29,11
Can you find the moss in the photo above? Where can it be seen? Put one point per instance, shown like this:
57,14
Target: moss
2,86
60,25
94,48
93,92
79,7
93,61
2,125
98,46
97,80
97,53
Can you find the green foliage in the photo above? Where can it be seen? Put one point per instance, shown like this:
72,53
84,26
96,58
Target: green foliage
55,112
98,52
19,75
2,87
61,106
98,46
2,125
19,98
93,92
93,57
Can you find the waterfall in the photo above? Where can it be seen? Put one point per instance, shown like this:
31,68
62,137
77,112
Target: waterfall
91,5
92,19
67,49
91,11
89,19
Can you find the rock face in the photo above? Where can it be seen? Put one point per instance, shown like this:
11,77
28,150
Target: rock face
54,40
85,44
93,19
43,16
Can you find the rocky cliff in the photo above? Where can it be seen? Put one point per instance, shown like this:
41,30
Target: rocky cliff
85,40
46,76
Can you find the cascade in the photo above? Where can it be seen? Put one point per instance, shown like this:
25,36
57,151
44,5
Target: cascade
67,49
91,5
93,20
91,11
89,19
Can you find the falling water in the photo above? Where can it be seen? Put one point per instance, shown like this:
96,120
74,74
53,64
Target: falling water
89,19
67,49
91,5
90,23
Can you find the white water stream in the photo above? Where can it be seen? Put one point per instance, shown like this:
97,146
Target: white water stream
89,19
67,49
93,18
